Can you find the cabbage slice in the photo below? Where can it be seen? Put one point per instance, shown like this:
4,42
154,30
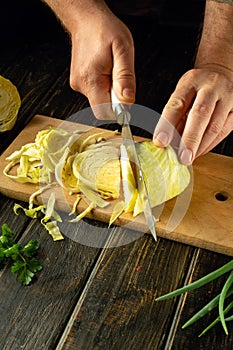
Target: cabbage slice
128,182
97,170
118,209
164,175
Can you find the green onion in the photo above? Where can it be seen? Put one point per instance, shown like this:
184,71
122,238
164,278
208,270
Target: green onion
218,319
223,293
207,308
199,283
219,300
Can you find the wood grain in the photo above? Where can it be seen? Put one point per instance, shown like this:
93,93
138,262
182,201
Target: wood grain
119,308
216,338
33,317
207,221
119,317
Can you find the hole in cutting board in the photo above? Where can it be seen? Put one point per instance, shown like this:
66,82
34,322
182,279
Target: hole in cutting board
221,196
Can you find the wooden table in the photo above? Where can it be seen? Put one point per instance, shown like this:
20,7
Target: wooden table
101,298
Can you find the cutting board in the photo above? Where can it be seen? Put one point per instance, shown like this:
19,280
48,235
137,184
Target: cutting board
201,216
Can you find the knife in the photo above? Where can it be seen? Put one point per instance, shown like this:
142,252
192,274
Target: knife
123,118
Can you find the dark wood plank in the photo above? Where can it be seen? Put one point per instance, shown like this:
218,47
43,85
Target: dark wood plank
119,310
113,314
33,61
106,297
62,101
39,70
215,338
33,317
119,313
34,82
7,216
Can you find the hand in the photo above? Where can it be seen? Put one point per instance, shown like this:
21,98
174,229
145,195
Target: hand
102,57
201,109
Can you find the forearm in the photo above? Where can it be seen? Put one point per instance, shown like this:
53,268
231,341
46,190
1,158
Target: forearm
70,12
216,44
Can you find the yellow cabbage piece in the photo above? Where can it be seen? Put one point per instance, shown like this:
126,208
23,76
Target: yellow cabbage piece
128,182
98,170
164,175
29,164
117,211
10,103
109,173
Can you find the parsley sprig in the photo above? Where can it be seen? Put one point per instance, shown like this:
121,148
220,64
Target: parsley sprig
22,258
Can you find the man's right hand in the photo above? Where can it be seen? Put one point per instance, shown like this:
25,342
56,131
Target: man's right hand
102,53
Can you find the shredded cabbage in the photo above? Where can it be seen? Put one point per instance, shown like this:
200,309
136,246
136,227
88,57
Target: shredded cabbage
96,169
118,209
84,213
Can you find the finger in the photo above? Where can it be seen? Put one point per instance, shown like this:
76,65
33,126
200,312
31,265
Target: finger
176,140
196,124
226,130
93,78
214,129
175,109
123,74
100,99
104,111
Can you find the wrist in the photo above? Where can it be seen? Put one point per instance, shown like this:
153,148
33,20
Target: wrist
216,44
216,68
72,12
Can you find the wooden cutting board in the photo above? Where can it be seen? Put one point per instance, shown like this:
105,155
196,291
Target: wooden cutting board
201,216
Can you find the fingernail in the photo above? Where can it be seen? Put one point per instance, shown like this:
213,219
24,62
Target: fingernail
128,93
186,157
162,139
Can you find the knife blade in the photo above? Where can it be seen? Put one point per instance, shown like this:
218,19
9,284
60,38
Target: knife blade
123,118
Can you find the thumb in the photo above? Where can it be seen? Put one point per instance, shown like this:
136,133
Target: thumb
123,73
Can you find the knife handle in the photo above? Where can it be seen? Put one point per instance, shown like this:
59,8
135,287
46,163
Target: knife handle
114,99
120,109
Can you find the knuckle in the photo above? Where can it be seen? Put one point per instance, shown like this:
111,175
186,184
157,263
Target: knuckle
188,78
119,45
83,80
230,87
176,103
215,128
230,119
122,44
125,74
202,109
217,78
75,81
192,141
73,84
84,76
213,77
225,130
190,75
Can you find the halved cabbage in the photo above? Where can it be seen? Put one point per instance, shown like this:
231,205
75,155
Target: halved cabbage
10,103
100,169
97,170
164,175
